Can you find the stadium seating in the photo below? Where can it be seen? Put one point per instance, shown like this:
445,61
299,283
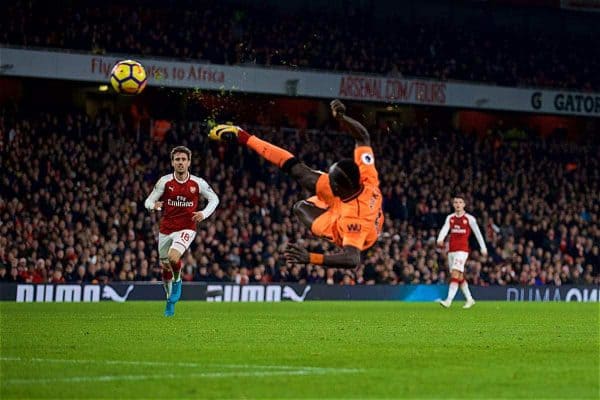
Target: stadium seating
73,210
218,32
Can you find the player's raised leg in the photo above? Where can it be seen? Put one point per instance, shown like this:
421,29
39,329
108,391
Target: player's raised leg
181,242
169,306
274,154
175,263
286,161
167,277
164,243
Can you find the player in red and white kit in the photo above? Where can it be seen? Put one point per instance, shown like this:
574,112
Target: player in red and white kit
178,194
460,225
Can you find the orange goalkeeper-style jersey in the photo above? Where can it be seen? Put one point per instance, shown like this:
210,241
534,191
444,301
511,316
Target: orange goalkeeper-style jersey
357,222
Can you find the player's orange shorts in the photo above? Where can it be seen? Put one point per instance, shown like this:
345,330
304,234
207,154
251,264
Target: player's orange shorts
324,224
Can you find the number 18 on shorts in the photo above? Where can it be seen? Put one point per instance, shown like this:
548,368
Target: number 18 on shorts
180,241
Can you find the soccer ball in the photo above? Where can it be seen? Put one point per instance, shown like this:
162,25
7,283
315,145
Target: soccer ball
128,77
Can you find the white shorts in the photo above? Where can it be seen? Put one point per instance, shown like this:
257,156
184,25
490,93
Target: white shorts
180,241
457,260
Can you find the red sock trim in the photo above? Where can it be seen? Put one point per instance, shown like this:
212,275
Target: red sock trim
243,137
167,275
177,267
455,280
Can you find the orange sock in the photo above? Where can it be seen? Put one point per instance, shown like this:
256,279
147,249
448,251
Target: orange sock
268,151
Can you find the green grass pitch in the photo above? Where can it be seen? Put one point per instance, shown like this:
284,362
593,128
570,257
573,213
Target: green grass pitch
300,350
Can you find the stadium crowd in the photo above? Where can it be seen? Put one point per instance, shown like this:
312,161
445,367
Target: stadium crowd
220,33
72,211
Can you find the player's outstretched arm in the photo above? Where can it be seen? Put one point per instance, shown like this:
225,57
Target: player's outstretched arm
348,258
355,128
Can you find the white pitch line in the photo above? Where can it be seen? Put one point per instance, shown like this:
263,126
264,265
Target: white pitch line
186,364
287,367
109,362
108,378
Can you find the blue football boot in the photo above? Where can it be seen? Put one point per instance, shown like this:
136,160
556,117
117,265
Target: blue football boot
170,309
176,292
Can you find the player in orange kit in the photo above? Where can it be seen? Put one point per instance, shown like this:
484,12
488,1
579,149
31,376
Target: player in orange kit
346,206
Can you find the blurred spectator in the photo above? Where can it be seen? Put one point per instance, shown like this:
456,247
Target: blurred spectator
225,33
71,213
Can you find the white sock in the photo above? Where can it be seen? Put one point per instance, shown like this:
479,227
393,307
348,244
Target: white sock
464,286
177,274
168,287
452,291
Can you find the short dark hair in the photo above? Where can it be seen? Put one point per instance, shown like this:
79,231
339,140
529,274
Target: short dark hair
459,195
181,149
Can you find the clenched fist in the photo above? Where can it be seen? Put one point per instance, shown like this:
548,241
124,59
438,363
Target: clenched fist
338,109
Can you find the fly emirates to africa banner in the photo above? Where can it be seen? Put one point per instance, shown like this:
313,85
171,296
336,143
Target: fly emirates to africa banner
294,82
